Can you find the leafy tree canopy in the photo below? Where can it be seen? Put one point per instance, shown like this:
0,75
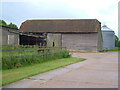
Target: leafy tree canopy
117,41
12,25
3,23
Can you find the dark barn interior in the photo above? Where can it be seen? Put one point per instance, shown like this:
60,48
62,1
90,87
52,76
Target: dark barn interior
27,39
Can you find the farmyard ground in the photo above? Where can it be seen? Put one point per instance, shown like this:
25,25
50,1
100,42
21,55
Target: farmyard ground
100,70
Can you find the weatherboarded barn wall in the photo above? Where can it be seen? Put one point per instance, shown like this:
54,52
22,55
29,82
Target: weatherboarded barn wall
53,40
10,36
75,34
80,41
99,40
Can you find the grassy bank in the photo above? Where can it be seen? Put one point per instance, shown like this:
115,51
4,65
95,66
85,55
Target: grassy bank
8,47
116,49
13,75
15,59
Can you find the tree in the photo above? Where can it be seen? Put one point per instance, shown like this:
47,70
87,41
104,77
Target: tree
3,23
12,25
117,41
118,44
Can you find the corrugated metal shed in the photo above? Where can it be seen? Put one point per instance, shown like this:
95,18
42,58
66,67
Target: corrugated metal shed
60,25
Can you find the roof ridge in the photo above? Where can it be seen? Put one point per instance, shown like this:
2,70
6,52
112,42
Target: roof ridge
57,19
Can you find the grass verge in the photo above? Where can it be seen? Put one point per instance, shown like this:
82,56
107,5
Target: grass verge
12,75
19,60
116,49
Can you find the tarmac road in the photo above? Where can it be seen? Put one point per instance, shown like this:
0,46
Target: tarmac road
100,70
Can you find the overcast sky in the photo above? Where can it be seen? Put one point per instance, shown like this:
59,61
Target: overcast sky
17,11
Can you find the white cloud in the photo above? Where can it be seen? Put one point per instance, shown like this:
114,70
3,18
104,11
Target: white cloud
104,10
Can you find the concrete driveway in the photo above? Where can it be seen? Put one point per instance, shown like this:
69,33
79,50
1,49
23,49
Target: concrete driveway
100,70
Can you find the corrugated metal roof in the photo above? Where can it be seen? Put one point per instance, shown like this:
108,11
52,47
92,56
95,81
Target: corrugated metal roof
60,25
105,28
9,29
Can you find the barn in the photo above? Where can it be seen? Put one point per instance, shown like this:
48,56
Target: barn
75,34
9,36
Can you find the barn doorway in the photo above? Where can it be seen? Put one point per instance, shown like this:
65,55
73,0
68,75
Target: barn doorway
53,44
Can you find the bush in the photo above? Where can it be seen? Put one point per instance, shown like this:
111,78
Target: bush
117,41
10,62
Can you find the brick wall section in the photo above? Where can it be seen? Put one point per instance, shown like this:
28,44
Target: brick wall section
87,42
